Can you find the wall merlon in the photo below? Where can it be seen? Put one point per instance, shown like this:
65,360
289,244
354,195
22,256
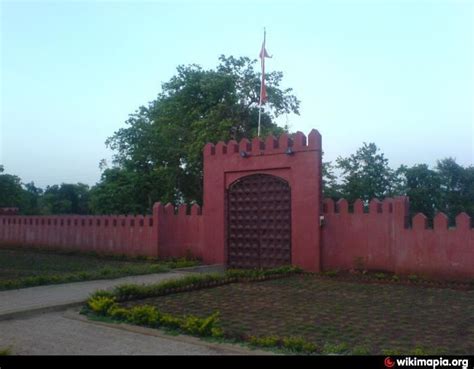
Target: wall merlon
342,206
420,222
358,206
196,210
463,221
375,206
328,206
221,148
209,149
314,139
258,147
440,222
182,209
299,141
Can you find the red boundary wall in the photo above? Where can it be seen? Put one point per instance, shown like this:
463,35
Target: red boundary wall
166,233
379,239
382,240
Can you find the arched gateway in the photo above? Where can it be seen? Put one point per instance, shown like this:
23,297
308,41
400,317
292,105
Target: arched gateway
259,222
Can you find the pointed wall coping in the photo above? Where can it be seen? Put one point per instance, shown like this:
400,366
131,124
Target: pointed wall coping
269,145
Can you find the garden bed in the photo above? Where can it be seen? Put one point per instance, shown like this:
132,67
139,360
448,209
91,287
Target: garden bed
303,313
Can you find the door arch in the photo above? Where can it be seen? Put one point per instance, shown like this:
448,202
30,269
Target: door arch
259,222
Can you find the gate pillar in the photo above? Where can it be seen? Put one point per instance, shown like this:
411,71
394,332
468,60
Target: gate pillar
295,159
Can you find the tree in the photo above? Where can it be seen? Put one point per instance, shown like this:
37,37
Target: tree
366,174
423,187
331,188
11,192
162,143
31,203
457,185
66,199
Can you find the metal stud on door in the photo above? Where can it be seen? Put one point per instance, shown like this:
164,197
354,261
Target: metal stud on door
259,222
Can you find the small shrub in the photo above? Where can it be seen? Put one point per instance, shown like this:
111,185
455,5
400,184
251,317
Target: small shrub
413,278
395,278
340,348
380,276
266,341
170,321
144,315
199,326
118,313
360,350
101,304
298,344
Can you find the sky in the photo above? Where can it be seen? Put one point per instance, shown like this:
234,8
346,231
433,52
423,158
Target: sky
398,73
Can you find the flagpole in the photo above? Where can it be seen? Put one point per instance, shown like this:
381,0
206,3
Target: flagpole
261,83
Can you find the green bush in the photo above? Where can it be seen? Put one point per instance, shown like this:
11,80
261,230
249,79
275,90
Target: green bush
298,344
380,275
199,326
360,350
119,313
101,304
340,348
267,341
170,321
144,315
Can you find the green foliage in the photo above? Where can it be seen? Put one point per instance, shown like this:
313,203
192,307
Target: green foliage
366,174
380,276
142,315
205,327
413,278
423,187
298,344
101,304
118,313
66,199
360,350
457,188
170,321
159,153
133,291
11,192
340,348
266,341
149,316
331,187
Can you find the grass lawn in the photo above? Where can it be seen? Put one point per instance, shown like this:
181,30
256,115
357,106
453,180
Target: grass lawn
336,315
28,267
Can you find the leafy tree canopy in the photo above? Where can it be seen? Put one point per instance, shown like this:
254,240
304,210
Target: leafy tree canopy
159,153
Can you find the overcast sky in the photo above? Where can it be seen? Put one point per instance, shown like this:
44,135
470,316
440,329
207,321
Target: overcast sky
397,73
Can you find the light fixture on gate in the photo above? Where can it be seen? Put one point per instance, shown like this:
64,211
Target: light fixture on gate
244,154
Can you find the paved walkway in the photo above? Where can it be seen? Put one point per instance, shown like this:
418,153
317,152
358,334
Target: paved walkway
14,303
59,333
34,321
